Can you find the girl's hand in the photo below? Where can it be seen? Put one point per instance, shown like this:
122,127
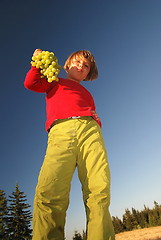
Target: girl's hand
95,115
36,52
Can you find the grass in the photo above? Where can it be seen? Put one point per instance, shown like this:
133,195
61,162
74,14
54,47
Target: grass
153,233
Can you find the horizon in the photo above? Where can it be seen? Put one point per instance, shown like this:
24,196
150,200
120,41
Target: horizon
125,39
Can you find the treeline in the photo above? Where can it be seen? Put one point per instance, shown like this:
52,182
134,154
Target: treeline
135,219
132,220
15,216
78,236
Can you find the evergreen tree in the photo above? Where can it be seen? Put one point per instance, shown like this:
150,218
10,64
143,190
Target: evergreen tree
157,210
3,216
153,218
140,220
84,235
19,216
135,219
118,225
145,215
141,217
77,236
128,220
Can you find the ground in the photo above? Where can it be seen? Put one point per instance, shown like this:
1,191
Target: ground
153,233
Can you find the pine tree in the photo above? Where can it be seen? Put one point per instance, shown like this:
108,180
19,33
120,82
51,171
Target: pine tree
128,220
77,236
140,219
118,225
3,216
157,213
136,219
19,216
145,215
84,235
152,218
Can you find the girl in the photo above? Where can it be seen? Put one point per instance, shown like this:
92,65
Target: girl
74,140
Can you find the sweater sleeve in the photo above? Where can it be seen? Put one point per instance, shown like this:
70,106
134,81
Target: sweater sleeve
34,82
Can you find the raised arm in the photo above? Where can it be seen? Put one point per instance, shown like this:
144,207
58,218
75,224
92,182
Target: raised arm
33,80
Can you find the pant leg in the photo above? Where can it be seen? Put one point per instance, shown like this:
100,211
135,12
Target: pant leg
52,191
94,174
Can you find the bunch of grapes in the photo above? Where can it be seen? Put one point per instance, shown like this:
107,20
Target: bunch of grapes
48,64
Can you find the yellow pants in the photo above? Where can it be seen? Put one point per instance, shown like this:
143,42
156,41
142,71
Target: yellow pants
73,143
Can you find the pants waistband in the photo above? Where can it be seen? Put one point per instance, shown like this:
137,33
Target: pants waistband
65,119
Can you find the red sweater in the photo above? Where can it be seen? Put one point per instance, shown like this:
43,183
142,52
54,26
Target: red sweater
64,98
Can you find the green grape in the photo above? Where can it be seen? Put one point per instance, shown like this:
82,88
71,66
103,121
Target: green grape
54,78
47,61
33,63
51,74
39,63
42,66
50,67
43,61
39,57
53,63
33,58
48,64
50,80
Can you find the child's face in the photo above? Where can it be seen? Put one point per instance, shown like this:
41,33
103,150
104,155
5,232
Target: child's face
78,69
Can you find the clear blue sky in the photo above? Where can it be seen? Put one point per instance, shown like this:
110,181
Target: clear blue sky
125,38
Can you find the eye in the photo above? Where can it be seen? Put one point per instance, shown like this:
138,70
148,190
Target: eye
86,65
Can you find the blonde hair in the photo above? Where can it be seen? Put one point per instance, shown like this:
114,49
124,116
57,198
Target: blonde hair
84,54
